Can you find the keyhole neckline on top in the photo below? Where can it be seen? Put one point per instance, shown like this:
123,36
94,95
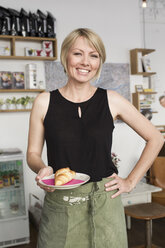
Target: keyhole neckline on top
79,112
77,103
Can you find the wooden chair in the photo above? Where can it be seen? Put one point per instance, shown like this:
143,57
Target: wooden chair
148,212
157,178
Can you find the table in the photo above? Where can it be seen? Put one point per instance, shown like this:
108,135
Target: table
140,194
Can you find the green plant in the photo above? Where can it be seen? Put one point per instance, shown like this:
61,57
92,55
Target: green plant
1,101
25,100
13,100
18,101
8,101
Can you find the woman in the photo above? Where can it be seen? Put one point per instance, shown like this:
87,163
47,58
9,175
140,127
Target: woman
77,123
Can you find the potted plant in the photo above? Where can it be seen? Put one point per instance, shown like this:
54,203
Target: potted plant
19,103
25,102
11,103
8,103
2,104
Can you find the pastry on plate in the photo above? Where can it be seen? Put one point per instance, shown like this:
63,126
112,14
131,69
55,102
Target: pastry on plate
63,176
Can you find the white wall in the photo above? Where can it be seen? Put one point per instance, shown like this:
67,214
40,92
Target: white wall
153,24
118,23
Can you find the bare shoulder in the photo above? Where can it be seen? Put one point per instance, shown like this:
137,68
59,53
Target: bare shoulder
41,104
113,96
116,103
42,98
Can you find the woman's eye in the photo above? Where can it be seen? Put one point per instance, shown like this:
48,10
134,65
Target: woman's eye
94,56
77,53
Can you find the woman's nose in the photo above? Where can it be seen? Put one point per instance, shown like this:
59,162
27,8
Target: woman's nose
85,60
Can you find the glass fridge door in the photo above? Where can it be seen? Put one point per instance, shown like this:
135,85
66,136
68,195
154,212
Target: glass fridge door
12,195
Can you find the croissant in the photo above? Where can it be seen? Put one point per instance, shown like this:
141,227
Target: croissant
63,176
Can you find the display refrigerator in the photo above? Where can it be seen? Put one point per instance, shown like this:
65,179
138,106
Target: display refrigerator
14,221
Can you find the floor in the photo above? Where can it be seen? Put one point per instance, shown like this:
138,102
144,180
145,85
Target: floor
136,236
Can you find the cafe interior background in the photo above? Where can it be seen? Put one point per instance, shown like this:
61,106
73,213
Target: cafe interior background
123,26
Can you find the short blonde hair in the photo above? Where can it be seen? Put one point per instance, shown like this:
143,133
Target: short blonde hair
91,37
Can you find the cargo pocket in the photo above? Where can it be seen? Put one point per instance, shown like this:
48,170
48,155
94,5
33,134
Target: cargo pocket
53,226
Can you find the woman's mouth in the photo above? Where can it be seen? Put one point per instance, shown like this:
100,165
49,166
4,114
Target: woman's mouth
84,71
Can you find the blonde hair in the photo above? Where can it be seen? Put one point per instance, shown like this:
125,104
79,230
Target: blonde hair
91,37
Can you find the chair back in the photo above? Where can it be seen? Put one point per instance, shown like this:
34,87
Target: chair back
157,172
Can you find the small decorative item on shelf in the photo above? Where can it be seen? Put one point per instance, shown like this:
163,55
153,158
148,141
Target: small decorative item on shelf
6,80
11,103
2,104
29,51
4,51
48,48
41,85
19,104
40,53
139,88
31,76
18,80
27,102
148,90
115,159
146,63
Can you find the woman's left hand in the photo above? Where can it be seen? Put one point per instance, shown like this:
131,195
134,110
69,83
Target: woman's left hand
119,184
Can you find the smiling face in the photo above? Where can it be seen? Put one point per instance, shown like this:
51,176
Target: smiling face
82,61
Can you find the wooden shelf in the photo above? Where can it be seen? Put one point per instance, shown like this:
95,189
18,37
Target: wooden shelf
15,110
136,99
134,61
26,38
146,93
28,58
21,90
144,74
14,39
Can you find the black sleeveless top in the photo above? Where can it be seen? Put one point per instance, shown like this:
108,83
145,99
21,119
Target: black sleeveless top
83,144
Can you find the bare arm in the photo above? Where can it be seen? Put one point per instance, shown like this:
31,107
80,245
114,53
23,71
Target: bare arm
36,138
124,110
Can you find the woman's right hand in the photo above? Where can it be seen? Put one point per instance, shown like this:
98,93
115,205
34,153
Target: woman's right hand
44,172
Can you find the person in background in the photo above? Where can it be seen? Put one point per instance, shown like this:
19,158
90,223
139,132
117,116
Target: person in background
77,123
162,100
